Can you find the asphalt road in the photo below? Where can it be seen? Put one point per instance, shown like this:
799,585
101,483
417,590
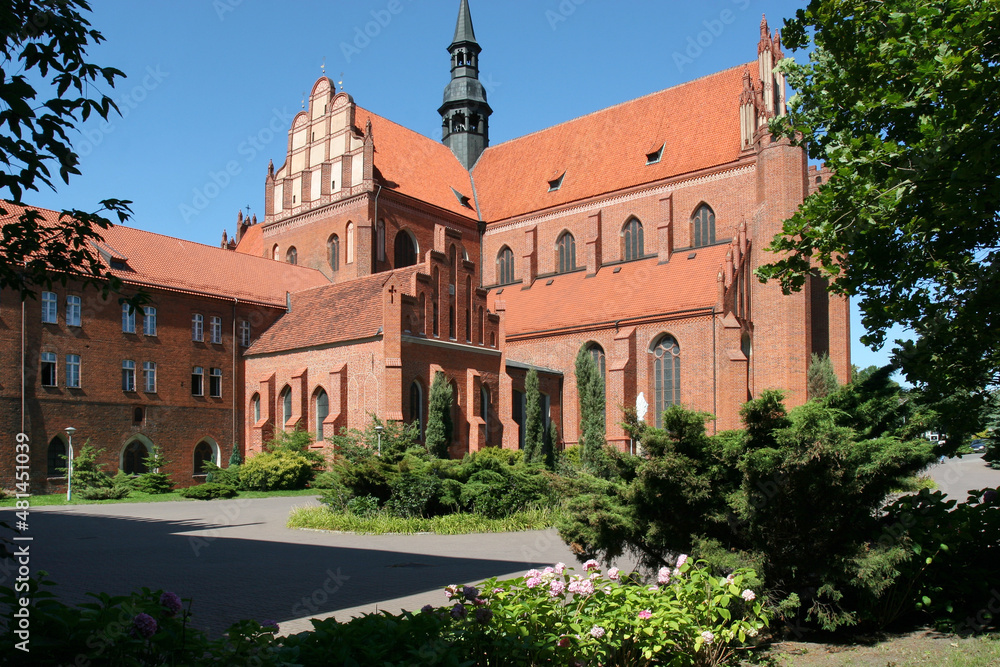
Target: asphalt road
956,477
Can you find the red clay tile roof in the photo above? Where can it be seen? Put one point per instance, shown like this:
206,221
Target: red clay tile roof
252,241
605,151
640,289
162,261
330,314
417,166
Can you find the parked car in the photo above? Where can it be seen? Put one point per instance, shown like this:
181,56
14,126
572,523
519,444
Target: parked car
978,445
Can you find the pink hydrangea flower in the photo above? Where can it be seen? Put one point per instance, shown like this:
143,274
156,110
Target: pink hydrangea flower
663,576
497,590
645,614
560,568
532,582
681,560
749,595
614,574
654,588
451,591
586,587
591,565
557,588
426,609
708,637
597,632
459,611
730,578
532,574
549,570
564,641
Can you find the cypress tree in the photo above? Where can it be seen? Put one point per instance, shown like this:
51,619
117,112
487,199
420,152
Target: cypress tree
590,397
533,436
439,427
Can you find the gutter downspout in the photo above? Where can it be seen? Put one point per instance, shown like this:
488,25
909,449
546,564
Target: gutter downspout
715,378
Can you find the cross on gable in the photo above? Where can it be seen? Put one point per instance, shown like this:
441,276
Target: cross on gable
392,293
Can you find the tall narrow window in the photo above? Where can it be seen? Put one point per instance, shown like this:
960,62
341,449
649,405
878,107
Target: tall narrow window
405,250
350,243
215,383
197,328
597,354
322,412
292,256
128,375
49,369
72,311
197,381
203,453
632,240
417,407
276,252
286,405
505,266
245,333
148,321
216,330
149,376
50,308
566,252
666,376
56,458
380,240
134,458
484,406
255,408
73,371
128,318
703,223
333,252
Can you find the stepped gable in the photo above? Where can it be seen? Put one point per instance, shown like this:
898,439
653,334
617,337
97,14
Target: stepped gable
252,241
416,166
331,314
697,123
642,289
152,260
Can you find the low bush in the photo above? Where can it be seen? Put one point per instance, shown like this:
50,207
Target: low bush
363,506
228,476
277,470
104,492
209,491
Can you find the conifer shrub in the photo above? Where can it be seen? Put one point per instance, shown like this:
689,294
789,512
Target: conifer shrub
277,470
226,476
154,482
438,434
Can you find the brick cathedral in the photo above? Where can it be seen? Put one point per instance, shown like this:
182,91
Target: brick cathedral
385,257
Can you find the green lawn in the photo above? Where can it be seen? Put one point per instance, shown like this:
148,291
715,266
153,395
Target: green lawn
139,497
321,518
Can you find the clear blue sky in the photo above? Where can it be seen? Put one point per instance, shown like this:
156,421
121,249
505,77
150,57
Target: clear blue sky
217,81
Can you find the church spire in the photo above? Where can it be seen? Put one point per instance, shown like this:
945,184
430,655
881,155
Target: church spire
465,113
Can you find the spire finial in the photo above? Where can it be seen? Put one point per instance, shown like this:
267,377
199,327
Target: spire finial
322,68
464,32
341,82
303,99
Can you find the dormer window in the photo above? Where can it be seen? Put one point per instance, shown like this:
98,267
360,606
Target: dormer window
655,156
556,183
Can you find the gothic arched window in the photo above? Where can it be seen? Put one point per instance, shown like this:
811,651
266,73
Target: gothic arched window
703,227
566,250
350,243
505,266
286,406
666,375
333,252
632,240
292,256
322,406
405,250
417,407
202,453
56,458
597,354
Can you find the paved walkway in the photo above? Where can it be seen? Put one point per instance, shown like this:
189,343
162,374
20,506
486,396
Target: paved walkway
236,559
956,477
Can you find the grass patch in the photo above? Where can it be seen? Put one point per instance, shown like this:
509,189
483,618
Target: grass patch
321,518
57,499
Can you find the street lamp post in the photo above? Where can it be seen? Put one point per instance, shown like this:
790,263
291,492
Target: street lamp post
378,429
69,465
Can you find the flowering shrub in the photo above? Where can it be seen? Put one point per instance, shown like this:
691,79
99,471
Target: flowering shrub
689,617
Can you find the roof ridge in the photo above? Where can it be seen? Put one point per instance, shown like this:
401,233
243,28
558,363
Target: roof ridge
618,105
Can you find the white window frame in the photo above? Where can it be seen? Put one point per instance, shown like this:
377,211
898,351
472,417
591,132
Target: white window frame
245,333
73,371
128,375
149,376
148,321
49,358
198,372
198,328
215,373
50,308
216,329
128,319
73,310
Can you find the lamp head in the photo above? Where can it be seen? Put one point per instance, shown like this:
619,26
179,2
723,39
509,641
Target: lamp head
70,431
